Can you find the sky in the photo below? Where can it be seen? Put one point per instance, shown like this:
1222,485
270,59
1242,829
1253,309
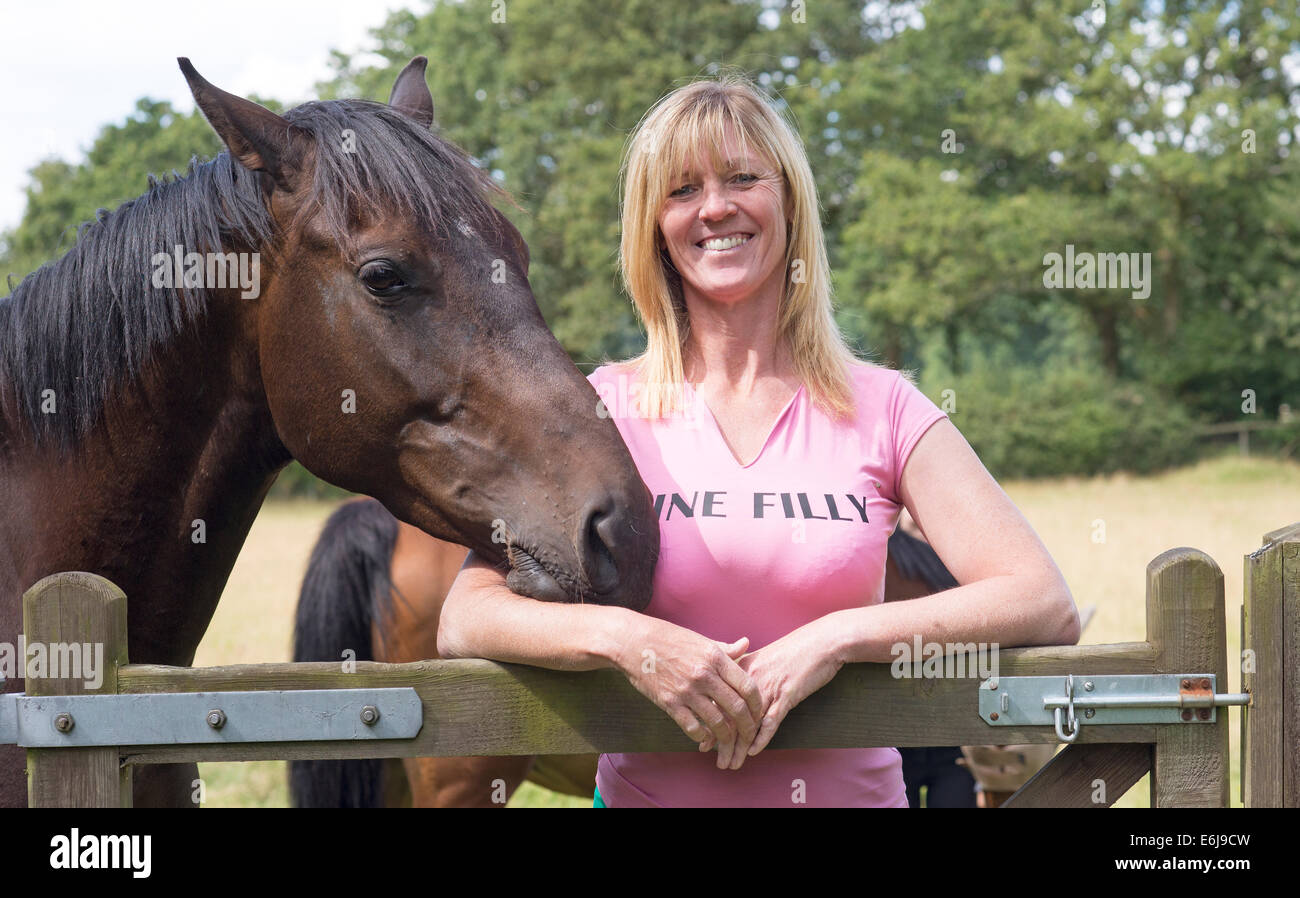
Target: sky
68,68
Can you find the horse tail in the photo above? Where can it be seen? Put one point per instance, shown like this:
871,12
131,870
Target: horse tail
347,586
916,560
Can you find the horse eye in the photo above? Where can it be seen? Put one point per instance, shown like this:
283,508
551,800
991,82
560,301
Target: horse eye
381,278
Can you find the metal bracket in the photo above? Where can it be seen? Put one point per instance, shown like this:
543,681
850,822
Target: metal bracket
193,718
1069,702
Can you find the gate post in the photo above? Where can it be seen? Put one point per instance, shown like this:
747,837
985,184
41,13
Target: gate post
79,610
1270,642
1187,628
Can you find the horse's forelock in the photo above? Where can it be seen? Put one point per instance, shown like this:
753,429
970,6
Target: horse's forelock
372,159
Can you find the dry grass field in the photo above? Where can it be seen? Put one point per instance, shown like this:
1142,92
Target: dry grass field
1222,507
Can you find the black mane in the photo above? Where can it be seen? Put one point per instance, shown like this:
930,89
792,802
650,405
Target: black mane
87,322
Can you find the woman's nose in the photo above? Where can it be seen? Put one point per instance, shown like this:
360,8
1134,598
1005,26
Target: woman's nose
716,204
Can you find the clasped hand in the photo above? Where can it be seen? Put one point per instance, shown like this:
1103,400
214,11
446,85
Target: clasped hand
720,694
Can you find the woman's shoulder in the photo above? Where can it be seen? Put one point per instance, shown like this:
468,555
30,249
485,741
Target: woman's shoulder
883,393
873,382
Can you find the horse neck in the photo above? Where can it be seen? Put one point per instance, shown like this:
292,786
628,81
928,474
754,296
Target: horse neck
160,495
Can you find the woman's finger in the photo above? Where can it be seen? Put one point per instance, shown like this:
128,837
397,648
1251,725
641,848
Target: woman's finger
735,649
771,722
689,723
717,723
739,680
738,710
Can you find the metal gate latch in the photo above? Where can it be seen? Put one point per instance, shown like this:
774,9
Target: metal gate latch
1067,703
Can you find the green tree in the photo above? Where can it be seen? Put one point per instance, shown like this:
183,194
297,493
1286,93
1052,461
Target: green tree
154,139
1132,134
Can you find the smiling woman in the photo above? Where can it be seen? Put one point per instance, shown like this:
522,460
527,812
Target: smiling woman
756,605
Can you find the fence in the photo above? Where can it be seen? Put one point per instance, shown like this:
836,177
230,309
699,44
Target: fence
485,708
1243,430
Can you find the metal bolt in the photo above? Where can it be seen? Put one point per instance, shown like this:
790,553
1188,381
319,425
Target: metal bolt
1090,713
63,722
1205,683
216,718
1203,713
1087,686
1187,684
993,716
370,715
993,684
1187,714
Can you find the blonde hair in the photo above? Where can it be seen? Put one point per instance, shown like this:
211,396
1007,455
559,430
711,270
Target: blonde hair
664,144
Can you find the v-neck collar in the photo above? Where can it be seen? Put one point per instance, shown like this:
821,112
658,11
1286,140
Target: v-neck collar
726,446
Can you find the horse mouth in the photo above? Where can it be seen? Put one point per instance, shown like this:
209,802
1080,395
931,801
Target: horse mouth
529,577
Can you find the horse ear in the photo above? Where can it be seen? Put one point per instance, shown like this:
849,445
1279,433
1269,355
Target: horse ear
258,138
411,95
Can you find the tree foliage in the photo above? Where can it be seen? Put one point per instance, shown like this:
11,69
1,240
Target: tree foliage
954,143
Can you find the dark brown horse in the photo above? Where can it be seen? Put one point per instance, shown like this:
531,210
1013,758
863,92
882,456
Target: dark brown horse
391,344
376,587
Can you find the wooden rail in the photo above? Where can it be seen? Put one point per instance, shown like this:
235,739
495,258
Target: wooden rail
485,708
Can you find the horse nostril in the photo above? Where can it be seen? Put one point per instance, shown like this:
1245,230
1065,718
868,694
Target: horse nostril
598,550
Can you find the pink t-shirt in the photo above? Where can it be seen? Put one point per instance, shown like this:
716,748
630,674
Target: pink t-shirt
759,550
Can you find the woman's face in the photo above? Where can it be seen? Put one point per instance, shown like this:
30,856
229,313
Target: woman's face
726,230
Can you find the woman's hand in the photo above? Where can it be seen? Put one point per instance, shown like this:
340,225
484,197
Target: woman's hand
787,671
698,683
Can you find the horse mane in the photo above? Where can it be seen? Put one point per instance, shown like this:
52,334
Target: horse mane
88,322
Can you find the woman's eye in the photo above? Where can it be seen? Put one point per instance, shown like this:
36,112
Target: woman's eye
746,177
679,190
381,278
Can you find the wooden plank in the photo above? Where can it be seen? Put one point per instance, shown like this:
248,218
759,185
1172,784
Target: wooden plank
1264,745
1080,774
1246,675
82,610
1286,543
1187,628
485,708
1291,670
1243,427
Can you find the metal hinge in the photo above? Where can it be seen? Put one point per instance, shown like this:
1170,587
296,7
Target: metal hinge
193,718
1069,702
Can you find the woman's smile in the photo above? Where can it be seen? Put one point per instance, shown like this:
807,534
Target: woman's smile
724,244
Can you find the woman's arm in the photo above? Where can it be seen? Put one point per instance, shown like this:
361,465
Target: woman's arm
1013,593
695,680
482,618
